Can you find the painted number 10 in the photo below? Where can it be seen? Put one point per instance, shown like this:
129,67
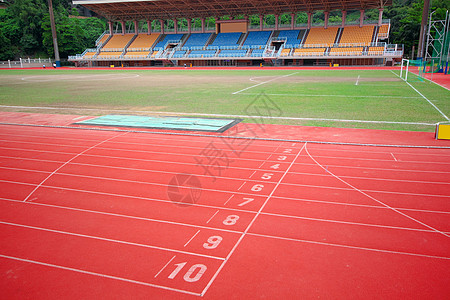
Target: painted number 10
192,275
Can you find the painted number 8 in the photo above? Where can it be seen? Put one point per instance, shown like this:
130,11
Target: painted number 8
230,220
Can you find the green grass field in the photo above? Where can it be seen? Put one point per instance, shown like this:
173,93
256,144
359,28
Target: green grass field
304,97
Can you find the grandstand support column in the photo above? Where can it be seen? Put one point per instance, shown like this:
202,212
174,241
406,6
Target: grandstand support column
327,15
175,25
292,21
277,17
149,27
162,26
111,29
136,27
344,17
189,21
380,16
124,30
309,20
261,22
361,18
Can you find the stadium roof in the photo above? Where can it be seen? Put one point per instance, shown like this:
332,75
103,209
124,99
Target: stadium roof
170,9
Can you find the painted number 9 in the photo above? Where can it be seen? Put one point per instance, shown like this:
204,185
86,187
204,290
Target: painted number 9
213,242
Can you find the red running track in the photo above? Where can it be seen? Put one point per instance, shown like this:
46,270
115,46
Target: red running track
91,214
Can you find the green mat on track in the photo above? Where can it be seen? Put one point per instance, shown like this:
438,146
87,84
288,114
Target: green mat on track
169,123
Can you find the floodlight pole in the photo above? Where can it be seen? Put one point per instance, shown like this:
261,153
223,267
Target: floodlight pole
55,40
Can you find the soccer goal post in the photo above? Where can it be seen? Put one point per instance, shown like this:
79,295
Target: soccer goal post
404,69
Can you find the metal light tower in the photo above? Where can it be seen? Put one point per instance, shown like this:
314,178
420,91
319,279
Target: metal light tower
55,40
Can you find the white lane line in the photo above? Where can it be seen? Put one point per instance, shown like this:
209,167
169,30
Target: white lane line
231,197
60,167
97,274
330,96
394,157
108,240
376,200
348,246
165,266
264,82
212,216
128,216
191,239
241,186
251,223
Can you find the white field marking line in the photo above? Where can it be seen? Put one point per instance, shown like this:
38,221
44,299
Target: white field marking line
231,197
127,216
78,118
97,274
108,240
330,96
431,103
254,172
59,168
251,223
191,238
165,266
357,80
376,200
264,82
347,246
267,117
209,220
394,156
242,185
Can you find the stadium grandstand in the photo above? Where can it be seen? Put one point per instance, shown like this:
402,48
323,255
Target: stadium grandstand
150,40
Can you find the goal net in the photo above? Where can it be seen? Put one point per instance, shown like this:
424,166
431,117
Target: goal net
412,70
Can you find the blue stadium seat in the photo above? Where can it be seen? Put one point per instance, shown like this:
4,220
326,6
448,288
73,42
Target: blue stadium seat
256,39
226,40
202,53
292,38
169,37
232,53
197,40
257,53
179,54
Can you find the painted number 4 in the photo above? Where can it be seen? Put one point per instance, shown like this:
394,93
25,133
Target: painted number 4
192,275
